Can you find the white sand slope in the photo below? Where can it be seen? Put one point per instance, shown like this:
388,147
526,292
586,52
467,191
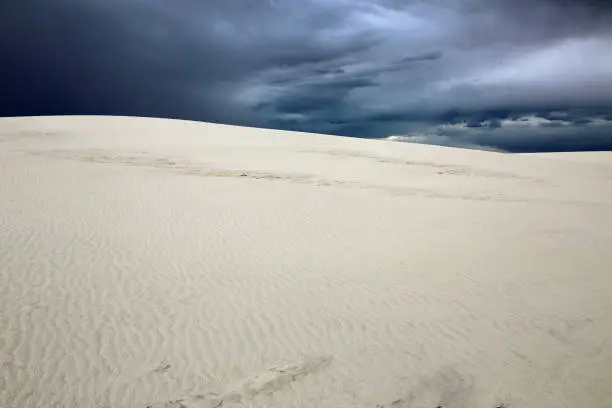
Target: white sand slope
603,158
159,263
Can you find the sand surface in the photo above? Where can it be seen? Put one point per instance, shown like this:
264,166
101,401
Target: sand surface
159,263
603,158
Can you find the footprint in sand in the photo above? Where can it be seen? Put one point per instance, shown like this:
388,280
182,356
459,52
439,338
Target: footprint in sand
268,382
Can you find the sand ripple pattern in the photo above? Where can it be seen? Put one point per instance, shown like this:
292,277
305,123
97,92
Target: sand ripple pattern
123,284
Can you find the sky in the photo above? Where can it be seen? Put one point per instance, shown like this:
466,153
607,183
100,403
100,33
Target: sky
508,75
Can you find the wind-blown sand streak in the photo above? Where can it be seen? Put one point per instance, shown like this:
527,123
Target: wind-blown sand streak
150,262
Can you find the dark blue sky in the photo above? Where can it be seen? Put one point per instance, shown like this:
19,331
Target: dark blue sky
514,75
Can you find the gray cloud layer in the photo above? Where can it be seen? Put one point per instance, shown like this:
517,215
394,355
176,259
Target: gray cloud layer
513,75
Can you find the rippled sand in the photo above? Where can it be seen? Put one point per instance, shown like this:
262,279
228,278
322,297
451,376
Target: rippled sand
159,263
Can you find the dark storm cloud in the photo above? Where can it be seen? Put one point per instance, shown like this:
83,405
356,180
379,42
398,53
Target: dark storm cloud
425,57
525,134
458,72
69,57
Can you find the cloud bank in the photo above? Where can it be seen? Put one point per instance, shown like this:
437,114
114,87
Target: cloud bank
513,76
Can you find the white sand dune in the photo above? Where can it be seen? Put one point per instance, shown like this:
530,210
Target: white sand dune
604,158
161,263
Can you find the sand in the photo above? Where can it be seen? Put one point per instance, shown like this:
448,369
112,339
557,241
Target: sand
163,263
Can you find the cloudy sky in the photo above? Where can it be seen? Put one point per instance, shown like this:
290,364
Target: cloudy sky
514,75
